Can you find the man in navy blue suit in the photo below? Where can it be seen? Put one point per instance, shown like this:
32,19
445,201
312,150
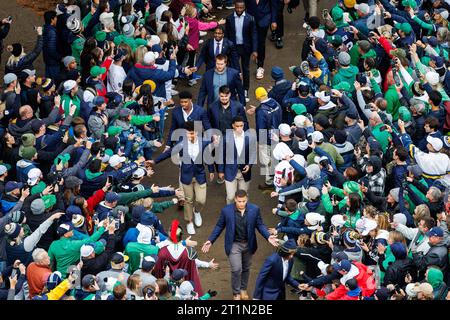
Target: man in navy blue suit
240,28
238,155
187,111
240,221
191,150
275,272
218,45
265,13
221,75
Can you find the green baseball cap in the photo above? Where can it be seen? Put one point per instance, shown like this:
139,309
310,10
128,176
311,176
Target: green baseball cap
405,27
404,114
344,85
49,200
351,187
96,71
409,3
114,130
337,14
299,108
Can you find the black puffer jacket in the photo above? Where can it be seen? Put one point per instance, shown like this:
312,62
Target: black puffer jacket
50,48
396,272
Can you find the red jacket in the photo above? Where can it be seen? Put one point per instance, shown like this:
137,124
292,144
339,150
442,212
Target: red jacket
92,202
447,115
387,46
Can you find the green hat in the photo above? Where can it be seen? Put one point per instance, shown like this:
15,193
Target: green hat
351,187
6,165
435,277
344,85
28,140
409,3
27,152
405,27
49,200
128,104
337,14
425,60
114,130
399,53
100,36
63,158
404,114
109,152
38,188
299,108
335,40
96,71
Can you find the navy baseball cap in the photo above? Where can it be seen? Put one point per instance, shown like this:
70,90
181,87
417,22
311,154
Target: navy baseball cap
343,265
435,232
178,274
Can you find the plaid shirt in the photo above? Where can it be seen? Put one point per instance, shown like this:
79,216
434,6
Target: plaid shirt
377,181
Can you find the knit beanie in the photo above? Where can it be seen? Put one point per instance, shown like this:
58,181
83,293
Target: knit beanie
16,49
398,250
12,230
28,140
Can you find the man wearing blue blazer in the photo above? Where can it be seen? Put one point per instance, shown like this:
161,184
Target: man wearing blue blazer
218,45
275,272
240,221
187,111
238,155
222,112
191,150
265,13
240,28
221,75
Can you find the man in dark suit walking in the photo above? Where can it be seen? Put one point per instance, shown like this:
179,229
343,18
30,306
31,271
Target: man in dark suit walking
218,45
240,221
215,78
187,111
265,13
240,28
275,272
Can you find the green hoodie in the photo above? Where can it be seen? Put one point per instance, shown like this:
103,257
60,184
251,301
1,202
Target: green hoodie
436,278
393,102
136,252
381,136
345,74
66,251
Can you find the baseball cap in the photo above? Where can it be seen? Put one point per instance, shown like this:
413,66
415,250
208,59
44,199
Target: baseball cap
322,95
3,169
9,77
33,176
435,232
116,159
139,173
343,265
363,7
118,258
68,60
442,12
299,108
436,143
29,72
148,263
112,197
96,71
64,228
86,250
285,129
317,136
424,287
405,27
13,185
178,274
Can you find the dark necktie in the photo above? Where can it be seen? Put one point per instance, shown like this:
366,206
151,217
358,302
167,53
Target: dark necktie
217,48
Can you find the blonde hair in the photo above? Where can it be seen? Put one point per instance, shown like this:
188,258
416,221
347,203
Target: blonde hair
421,212
191,11
163,36
139,54
383,221
397,236
147,203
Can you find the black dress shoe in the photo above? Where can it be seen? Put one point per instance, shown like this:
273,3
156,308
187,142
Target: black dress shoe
279,43
273,37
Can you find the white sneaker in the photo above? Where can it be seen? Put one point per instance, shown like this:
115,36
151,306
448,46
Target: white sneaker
203,33
190,228
200,41
259,73
174,92
247,99
198,219
192,82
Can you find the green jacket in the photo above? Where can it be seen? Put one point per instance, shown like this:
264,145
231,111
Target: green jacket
346,74
393,101
77,47
66,100
159,207
136,252
331,150
133,43
382,136
128,197
66,252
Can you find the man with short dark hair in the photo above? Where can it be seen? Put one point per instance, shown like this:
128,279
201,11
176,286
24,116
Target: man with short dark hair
240,219
215,78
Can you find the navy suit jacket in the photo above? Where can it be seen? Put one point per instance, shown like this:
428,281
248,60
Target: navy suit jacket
249,34
265,12
233,81
230,164
227,221
270,284
208,54
198,114
236,110
189,169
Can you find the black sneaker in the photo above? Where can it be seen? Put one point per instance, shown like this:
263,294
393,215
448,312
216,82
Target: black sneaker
279,43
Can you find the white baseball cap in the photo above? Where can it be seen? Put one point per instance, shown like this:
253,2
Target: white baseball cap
116,159
33,176
322,95
86,250
436,143
150,57
300,121
285,129
281,150
139,173
3,169
317,136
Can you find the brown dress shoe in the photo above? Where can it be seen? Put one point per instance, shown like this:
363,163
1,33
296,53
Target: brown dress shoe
244,295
